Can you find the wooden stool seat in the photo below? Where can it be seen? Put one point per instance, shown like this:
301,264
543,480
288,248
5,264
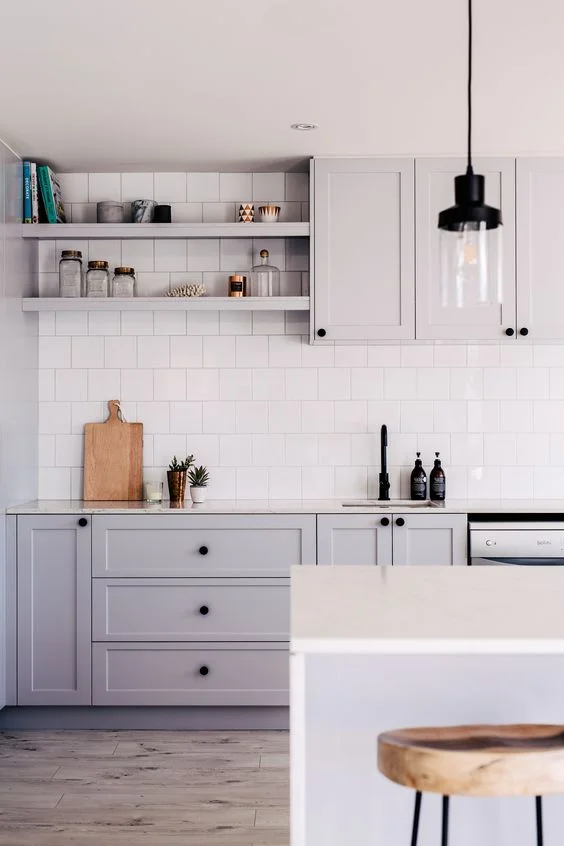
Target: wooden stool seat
480,760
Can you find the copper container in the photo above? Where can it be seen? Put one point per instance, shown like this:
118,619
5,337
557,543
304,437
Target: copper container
237,285
176,485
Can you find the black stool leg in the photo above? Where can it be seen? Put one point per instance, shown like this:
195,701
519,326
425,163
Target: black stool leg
416,815
538,808
444,827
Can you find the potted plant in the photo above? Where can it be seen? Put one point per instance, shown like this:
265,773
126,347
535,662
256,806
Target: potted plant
198,478
176,478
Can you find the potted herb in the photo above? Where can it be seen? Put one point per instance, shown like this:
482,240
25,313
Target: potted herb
176,478
198,478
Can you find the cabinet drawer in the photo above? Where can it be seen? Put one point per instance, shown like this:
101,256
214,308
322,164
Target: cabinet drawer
170,674
185,609
154,545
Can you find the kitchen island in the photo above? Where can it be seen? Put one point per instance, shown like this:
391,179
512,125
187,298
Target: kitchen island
375,649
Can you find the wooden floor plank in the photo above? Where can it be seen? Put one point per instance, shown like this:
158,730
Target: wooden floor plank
144,788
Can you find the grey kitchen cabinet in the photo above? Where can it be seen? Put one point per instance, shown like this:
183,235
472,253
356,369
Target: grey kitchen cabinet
218,546
434,190
430,540
190,674
540,223
54,602
363,284
392,539
191,609
344,539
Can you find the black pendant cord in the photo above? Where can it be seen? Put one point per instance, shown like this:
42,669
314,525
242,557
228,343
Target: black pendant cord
469,86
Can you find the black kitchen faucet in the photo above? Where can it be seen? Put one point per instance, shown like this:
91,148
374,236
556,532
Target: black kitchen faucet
383,478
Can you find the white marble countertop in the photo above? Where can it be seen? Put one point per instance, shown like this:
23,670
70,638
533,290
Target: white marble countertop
325,506
427,610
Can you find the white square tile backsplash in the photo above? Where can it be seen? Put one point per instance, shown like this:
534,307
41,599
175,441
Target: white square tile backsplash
270,415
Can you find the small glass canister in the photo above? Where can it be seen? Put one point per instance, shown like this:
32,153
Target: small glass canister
97,279
123,283
70,273
265,278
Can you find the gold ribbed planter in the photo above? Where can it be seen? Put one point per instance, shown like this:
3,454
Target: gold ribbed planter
176,485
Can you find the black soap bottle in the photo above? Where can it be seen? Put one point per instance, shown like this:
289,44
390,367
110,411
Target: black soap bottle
438,481
418,480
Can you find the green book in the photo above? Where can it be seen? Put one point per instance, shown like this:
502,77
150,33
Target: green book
51,194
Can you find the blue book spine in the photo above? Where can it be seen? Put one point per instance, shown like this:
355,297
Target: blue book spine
27,218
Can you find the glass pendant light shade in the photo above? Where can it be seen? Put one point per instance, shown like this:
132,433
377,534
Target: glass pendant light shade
470,245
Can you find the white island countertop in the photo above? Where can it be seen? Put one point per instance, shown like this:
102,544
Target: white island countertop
440,610
299,506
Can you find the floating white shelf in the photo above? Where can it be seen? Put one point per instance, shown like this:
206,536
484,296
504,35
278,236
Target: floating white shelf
166,304
91,231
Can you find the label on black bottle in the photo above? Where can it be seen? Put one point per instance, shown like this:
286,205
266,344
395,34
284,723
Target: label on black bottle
418,488
438,487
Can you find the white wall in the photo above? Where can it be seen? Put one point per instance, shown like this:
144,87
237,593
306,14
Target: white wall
18,367
271,415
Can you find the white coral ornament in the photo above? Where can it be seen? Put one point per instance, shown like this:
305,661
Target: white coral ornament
192,290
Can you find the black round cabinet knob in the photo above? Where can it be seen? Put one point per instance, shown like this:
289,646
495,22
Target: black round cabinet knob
83,521
385,521
204,610
400,521
204,671
203,550
321,332
510,331
523,331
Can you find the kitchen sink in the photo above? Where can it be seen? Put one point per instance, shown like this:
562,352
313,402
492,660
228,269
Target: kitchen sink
392,504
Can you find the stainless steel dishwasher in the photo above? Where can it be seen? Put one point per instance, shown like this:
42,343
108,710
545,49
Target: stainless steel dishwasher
537,543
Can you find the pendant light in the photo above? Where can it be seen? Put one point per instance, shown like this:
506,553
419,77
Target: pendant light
470,237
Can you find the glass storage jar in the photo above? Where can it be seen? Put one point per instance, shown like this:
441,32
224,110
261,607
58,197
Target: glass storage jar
70,273
123,283
97,279
265,278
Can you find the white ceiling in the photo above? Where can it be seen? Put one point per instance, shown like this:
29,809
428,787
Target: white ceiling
210,84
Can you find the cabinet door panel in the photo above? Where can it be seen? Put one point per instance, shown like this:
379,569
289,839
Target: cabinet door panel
363,248
242,545
353,539
54,578
435,191
171,609
540,224
169,674
429,540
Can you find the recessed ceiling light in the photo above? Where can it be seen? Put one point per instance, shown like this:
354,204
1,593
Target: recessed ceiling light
304,127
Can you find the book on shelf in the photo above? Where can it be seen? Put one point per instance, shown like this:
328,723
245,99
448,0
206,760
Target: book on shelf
51,195
27,192
34,194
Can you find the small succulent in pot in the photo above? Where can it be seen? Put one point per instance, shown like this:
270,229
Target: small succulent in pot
176,478
198,478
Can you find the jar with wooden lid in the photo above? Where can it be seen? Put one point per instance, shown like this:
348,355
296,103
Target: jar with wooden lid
97,279
70,273
123,283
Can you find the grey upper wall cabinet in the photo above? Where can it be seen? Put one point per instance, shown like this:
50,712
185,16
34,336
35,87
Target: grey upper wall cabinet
434,190
54,578
540,228
363,283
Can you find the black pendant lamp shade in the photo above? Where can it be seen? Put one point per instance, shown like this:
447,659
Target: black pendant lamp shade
470,232
469,205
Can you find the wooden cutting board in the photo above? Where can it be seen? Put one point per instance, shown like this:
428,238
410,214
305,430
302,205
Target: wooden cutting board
113,458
